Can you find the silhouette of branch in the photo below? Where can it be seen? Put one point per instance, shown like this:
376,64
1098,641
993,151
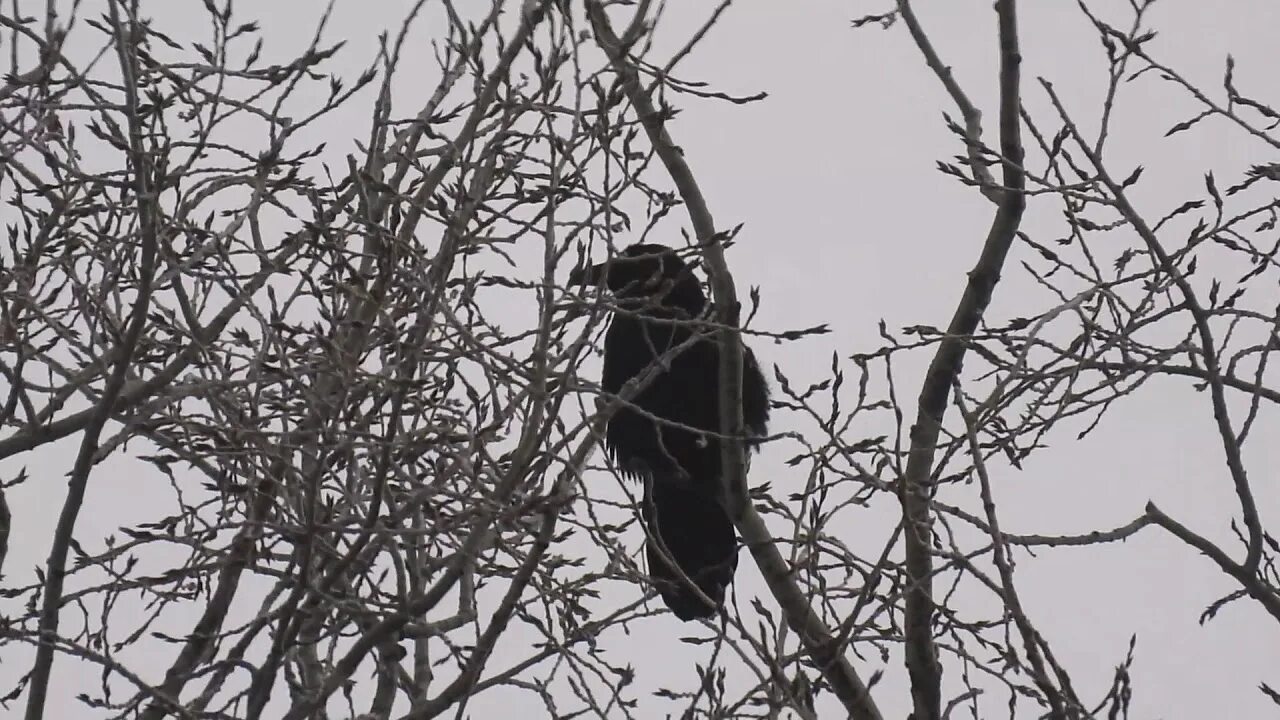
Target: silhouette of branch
1031,639
972,117
1265,594
916,489
148,240
1208,351
464,685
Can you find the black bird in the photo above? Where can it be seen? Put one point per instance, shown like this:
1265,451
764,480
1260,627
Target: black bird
667,436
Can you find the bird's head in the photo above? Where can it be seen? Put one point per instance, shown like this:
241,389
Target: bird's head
648,272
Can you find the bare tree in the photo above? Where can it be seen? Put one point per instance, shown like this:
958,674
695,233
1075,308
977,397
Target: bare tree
368,391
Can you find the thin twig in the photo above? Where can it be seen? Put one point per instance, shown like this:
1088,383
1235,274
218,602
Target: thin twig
1208,351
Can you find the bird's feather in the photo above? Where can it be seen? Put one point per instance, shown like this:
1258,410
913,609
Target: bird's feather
669,435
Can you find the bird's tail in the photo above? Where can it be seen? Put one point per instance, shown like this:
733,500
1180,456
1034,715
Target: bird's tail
689,525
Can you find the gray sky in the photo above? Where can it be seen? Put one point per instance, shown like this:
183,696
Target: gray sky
846,222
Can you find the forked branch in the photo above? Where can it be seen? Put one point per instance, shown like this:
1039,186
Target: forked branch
916,489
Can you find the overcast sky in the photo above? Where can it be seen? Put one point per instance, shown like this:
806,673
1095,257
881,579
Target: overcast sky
846,222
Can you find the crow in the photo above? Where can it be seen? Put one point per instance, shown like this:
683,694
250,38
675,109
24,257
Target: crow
668,434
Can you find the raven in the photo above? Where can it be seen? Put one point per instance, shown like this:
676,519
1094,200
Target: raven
668,435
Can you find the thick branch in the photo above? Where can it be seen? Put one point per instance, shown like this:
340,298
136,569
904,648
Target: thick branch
149,220
915,491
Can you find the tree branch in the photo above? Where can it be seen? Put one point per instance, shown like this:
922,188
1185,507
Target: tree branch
1212,371
916,489
149,229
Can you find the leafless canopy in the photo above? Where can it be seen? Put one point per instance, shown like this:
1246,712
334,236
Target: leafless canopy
356,404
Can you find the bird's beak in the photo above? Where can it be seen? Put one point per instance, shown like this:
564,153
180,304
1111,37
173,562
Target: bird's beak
589,275
583,277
